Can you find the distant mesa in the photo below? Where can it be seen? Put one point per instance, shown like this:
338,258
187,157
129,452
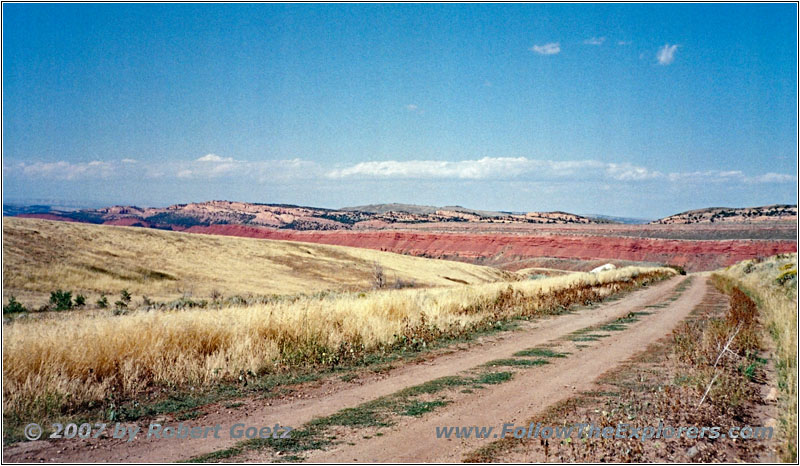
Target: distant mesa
733,215
502,239
291,217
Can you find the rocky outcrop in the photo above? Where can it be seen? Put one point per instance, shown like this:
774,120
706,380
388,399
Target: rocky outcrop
692,255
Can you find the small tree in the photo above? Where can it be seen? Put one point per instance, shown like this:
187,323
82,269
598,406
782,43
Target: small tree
61,300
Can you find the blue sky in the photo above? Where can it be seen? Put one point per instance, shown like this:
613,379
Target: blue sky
632,110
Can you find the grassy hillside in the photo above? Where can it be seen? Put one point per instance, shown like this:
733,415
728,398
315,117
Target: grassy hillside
40,256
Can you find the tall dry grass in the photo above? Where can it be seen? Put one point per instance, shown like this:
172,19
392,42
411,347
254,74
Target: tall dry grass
64,363
772,283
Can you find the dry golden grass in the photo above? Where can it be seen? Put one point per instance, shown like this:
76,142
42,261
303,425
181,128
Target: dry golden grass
60,363
772,282
40,256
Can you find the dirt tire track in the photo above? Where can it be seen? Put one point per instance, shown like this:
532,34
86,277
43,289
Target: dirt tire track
529,392
297,412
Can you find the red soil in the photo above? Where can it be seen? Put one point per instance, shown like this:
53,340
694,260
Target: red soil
693,255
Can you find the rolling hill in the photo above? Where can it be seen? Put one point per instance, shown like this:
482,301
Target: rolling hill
41,256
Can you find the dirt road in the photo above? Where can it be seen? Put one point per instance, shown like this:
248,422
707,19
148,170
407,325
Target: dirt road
514,401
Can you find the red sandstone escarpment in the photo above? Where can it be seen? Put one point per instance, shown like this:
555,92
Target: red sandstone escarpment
693,255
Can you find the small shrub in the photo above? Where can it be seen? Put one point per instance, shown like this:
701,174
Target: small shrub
13,306
786,277
378,276
102,303
61,300
80,300
677,268
125,297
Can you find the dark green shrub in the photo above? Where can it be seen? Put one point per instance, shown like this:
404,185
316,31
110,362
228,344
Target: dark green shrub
13,306
102,303
80,300
61,300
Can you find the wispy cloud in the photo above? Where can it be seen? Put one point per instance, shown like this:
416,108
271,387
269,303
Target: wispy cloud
547,49
624,42
493,168
541,170
214,158
292,171
730,176
129,160
666,54
595,41
63,170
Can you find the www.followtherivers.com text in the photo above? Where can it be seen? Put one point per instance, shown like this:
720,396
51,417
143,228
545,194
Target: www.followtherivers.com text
621,431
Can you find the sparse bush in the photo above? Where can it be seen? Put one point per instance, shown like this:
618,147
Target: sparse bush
61,300
102,303
80,300
677,268
400,284
13,306
125,297
786,276
378,276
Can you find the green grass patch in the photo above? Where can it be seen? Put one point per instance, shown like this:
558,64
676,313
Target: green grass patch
541,353
493,378
418,408
589,337
516,362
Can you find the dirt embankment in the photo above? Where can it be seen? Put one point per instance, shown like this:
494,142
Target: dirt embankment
693,255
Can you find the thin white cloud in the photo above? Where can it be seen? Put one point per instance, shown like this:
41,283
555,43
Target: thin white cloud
261,171
62,170
595,41
129,160
776,178
295,170
624,42
547,49
214,158
729,176
411,108
522,168
493,168
666,54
